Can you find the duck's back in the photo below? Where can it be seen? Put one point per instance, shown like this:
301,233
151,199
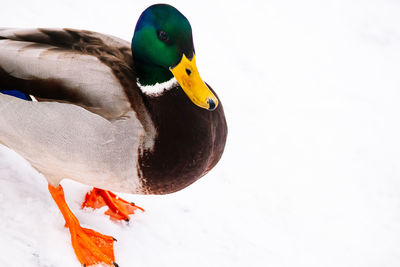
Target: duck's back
85,125
66,66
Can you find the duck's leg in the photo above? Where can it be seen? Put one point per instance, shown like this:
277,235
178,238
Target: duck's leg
119,209
90,247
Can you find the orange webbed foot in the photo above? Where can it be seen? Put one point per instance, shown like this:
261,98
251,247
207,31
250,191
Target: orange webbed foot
90,246
119,209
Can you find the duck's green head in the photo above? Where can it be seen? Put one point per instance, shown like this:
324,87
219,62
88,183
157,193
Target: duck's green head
162,47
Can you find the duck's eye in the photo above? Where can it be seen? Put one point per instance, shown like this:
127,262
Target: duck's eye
163,36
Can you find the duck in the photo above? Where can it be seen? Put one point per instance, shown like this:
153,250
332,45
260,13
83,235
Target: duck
132,117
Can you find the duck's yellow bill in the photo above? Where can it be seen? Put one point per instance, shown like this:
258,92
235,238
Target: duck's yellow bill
188,77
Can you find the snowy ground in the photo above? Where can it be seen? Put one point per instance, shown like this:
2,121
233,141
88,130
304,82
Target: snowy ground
311,172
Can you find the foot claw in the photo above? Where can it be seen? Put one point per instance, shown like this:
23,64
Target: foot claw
115,264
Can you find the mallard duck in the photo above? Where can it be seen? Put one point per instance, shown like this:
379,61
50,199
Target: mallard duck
128,117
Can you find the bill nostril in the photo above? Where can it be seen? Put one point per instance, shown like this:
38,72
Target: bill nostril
188,72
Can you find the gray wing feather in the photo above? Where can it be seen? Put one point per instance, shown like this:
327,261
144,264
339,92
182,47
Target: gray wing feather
66,65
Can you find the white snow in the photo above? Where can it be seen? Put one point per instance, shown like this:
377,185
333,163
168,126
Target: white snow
311,171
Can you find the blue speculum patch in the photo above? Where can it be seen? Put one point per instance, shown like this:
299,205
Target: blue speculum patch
16,94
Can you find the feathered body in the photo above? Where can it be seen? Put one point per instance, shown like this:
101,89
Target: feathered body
92,123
